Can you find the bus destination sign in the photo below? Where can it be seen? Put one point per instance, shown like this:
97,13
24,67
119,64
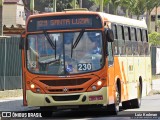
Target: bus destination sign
61,23
64,22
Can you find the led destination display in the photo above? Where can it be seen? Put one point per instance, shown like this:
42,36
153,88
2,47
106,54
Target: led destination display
64,22
61,23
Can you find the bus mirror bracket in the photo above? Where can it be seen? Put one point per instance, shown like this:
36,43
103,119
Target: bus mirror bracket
21,43
109,35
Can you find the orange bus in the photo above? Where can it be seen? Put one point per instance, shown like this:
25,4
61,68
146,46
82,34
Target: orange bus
84,60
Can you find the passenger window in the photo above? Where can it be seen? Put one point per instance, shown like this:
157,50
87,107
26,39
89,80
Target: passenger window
120,32
121,44
126,33
139,35
144,36
133,34
114,28
110,54
134,41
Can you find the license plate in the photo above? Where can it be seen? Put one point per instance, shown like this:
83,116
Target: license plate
93,98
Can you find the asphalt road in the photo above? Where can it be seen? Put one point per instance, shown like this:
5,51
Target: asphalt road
150,107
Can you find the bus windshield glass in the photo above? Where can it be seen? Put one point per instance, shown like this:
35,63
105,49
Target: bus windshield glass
63,58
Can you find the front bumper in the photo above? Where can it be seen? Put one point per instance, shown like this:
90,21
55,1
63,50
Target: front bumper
36,99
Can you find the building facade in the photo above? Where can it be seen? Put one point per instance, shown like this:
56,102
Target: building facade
14,18
13,13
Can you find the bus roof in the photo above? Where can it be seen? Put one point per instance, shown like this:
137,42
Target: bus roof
124,20
109,17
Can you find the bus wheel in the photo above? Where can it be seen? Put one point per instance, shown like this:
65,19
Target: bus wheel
114,108
136,103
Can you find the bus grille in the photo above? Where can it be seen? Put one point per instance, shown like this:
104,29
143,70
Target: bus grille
65,82
69,90
66,98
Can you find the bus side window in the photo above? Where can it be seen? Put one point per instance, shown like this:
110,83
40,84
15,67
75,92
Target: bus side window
121,45
115,43
128,44
140,42
134,41
145,42
114,28
110,54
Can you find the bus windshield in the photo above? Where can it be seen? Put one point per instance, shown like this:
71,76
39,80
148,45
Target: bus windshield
64,57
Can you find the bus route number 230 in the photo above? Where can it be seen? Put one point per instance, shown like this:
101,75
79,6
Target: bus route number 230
84,66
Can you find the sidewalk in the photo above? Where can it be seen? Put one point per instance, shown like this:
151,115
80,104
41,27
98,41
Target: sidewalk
11,93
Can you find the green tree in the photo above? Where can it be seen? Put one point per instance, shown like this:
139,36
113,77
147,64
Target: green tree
104,2
129,5
87,3
115,4
64,4
150,4
157,4
41,4
139,7
154,38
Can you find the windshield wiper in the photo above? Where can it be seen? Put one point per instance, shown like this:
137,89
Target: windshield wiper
49,39
74,45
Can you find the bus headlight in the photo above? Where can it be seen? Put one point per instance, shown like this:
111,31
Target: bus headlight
35,88
99,83
96,85
32,86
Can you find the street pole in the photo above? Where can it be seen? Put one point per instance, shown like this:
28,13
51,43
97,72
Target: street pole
32,6
54,5
1,16
101,5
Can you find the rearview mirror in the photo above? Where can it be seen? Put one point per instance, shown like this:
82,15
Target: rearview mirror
109,35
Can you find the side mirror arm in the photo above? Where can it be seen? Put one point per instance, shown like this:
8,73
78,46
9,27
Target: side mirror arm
109,35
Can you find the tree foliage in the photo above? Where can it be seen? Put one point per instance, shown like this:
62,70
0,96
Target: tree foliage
154,38
132,7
